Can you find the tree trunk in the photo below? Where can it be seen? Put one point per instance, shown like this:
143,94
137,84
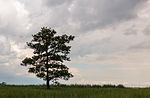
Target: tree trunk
47,83
47,80
47,77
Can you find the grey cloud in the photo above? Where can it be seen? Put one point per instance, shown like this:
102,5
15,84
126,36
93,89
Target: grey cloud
14,21
82,15
131,31
101,47
142,45
146,31
53,3
5,46
99,13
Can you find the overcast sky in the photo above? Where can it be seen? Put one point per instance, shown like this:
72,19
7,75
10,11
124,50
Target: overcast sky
112,43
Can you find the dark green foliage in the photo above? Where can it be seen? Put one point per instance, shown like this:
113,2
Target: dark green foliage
3,84
109,86
120,86
50,52
113,86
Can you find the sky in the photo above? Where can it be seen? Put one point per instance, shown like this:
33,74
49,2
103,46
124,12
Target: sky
111,46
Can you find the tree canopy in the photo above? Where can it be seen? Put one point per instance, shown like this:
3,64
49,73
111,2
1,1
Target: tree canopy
50,52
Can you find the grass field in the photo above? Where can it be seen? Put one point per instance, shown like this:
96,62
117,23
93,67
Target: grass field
72,92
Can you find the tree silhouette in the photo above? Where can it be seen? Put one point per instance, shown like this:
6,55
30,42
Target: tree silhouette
50,52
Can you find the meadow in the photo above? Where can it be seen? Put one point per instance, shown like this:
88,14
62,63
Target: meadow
72,92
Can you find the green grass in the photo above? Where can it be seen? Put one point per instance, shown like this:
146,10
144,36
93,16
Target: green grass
72,92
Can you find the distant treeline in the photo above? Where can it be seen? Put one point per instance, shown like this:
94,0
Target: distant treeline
3,83
93,86
71,85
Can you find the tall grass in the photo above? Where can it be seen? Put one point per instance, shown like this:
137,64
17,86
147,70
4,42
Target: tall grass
72,92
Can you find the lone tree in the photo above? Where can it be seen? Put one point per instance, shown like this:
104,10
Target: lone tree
50,52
